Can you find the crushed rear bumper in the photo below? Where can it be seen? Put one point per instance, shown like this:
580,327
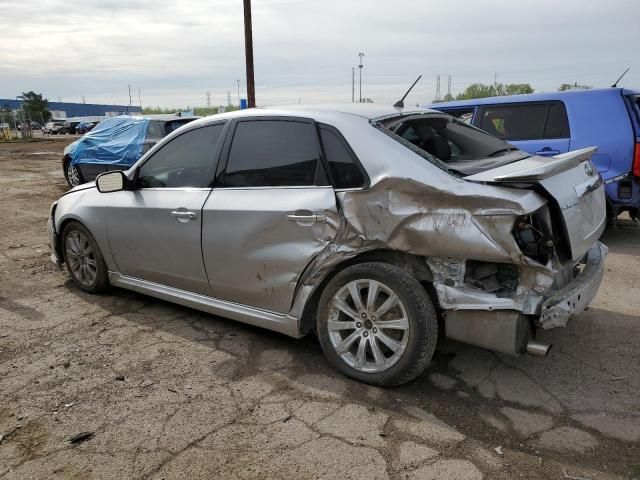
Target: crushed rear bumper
576,296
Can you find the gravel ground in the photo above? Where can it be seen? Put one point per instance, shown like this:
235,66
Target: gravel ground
161,391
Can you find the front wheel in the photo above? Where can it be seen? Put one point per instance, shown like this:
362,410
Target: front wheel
377,324
73,175
83,258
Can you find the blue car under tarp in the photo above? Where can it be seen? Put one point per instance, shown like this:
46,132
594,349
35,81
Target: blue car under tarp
114,141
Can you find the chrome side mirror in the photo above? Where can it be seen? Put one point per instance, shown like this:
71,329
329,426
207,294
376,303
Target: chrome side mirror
110,181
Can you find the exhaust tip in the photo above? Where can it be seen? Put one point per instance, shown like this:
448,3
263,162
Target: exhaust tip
538,349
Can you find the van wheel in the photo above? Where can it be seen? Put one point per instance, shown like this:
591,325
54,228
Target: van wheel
376,324
83,259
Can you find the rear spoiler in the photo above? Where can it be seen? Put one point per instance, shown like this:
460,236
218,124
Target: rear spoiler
534,168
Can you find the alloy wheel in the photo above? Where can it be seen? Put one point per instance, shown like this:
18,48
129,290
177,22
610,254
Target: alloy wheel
73,175
81,258
368,325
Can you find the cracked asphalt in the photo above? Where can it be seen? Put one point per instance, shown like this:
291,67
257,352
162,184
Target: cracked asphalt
163,391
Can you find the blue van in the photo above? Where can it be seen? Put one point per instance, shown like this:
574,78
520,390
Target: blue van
548,124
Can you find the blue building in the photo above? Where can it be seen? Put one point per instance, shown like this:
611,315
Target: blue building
74,110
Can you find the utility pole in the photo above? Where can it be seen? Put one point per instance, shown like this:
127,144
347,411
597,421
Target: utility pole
248,53
83,101
238,81
208,99
228,98
438,88
449,87
360,55
353,84
140,98
129,98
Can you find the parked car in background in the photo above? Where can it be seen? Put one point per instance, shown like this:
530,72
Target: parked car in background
549,124
327,219
56,127
115,144
84,127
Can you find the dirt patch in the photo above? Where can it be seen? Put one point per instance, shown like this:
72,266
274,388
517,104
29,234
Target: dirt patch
170,392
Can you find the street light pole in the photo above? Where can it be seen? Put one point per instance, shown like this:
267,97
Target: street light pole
248,53
353,84
360,68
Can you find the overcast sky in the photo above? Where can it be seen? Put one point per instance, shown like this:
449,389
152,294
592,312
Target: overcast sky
175,51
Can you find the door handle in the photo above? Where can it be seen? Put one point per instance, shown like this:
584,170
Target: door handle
183,215
312,218
545,152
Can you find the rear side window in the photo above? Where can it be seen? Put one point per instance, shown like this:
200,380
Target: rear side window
533,121
272,153
557,125
155,130
185,161
345,171
514,122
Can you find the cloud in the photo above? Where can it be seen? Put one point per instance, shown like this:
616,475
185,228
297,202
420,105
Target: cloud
175,52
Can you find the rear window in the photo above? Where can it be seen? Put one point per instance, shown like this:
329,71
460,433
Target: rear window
634,100
530,121
449,143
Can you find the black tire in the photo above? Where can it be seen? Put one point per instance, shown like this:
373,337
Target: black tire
422,324
65,167
82,277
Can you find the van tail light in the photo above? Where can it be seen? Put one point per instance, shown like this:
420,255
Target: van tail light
636,161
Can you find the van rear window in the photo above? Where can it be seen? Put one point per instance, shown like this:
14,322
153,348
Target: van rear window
526,121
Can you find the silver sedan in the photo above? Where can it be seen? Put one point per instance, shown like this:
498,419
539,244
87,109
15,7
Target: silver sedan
376,228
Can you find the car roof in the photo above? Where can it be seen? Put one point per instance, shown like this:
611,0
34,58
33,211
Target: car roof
168,116
353,111
534,97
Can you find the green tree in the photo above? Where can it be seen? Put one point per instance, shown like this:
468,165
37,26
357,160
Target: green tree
36,106
513,89
480,90
476,90
575,86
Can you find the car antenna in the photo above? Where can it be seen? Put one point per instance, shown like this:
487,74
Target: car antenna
400,103
620,78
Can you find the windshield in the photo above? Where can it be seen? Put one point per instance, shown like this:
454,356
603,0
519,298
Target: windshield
460,147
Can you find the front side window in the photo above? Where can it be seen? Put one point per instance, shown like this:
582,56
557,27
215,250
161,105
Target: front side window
272,153
185,161
345,170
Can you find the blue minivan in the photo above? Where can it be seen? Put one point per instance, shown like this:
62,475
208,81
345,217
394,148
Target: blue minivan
548,124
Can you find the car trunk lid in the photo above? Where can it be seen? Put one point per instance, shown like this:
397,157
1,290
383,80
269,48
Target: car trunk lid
571,181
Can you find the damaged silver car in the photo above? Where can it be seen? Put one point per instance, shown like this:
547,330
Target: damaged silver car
376,228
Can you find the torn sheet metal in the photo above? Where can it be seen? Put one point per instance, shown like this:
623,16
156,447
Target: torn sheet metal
446,227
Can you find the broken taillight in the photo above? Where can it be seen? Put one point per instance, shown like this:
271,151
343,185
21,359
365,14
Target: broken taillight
636,161
533,238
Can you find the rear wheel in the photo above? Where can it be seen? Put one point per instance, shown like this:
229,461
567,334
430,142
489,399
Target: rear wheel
83,259
377,324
